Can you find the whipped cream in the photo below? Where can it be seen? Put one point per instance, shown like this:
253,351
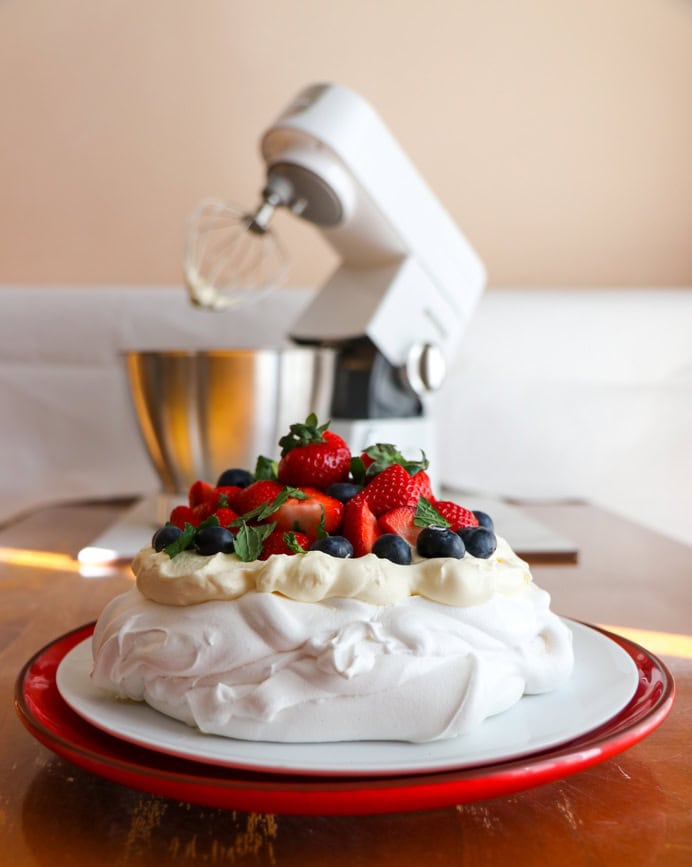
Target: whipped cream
265,661
189,578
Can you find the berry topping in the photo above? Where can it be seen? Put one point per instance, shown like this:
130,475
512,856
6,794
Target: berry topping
235,478
484,520
213,539
360,525
344,491
312,456
335,546
390,546
255,495
281,542
395,487
440,542
165,536
401,521
182,515
479,541
200,492
455,515
310,511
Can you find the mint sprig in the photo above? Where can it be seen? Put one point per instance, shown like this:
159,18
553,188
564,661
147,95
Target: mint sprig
266,469
293,544
187,537
249,540
428,516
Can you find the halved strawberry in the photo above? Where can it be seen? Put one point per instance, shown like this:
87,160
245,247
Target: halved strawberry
308,512
456,515
256,494
400,521
313,456
394,487
360,525
275,543
200,492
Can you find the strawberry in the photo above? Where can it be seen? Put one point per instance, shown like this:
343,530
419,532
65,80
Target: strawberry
256,494
400,521
203,510
200,492
276,543
307,511
225,495
394,487
225,516
182,515
312,456
360,525
456,515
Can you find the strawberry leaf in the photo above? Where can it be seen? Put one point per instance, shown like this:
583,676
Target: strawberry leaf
428,516
385,455
304,433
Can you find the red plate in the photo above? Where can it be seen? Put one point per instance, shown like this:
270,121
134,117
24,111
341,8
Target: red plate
47,717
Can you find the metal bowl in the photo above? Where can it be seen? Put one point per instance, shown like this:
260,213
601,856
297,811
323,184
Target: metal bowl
203,412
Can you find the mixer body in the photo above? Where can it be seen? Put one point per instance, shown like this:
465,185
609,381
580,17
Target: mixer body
395,309
408,279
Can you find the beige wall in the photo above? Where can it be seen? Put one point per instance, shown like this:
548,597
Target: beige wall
558,133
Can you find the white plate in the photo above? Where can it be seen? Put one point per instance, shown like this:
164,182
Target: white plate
602,683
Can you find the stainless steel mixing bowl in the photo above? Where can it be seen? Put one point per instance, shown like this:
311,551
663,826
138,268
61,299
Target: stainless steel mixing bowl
203,412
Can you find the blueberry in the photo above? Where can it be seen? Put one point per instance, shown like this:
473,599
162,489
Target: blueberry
389,546
335,546
213,540
440,542
343,491
484,520
165,536
235,478
480,541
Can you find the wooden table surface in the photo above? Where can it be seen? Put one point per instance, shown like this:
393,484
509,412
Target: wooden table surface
633,809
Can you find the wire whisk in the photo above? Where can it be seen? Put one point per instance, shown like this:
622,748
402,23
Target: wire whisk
231,256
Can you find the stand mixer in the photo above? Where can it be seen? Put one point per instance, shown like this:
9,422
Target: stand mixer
396,307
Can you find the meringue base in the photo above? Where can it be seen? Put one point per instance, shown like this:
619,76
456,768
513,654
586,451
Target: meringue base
264,667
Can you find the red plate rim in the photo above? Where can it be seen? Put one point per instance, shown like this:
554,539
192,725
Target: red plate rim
49,719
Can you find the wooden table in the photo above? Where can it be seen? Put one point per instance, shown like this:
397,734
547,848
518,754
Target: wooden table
634,809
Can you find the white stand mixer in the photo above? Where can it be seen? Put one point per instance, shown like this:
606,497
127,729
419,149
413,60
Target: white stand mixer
408,281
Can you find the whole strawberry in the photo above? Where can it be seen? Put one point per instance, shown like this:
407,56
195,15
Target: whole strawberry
313,456
395,487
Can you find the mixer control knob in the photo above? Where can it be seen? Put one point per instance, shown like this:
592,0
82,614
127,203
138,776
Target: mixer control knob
425,367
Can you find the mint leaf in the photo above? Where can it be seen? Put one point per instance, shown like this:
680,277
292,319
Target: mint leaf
264,510
292,543
428,516
265,470
249,541
357,470
183,542
321,532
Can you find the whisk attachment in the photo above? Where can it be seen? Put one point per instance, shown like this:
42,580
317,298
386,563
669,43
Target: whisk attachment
232,256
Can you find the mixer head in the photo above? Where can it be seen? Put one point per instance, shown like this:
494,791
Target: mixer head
232,256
